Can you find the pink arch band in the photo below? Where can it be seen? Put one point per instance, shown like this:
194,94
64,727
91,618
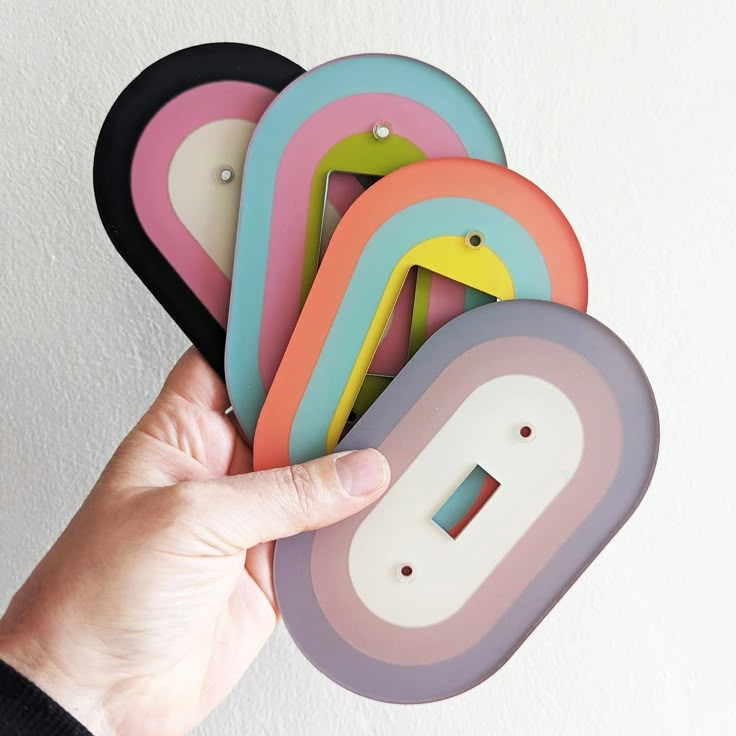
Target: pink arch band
342,118
163,135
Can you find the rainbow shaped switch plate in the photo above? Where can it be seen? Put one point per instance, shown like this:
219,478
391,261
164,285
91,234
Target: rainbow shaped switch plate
443,305
168,174
475,222
520,437
365,115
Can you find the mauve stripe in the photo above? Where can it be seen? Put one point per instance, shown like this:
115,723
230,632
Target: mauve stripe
506,356
374,678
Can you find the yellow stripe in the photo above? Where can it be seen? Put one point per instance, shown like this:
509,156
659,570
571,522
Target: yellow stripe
446,255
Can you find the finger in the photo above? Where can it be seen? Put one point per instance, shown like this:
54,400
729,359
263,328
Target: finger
242,459
193,380
242,511
259,565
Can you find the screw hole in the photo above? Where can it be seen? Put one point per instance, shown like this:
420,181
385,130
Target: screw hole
405,573
474,239
225,174
526,432
381,131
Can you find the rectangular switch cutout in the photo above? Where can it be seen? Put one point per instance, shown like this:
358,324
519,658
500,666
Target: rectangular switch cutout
349,187
466,501
390,356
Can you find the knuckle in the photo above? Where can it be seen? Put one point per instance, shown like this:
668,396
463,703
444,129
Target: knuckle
302,486
186,499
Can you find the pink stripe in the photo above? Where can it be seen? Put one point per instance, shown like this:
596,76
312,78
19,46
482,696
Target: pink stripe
393,351
446,301
163,135
599,414
343,190
333,123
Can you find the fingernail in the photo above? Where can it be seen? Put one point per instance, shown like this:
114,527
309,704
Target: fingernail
362,472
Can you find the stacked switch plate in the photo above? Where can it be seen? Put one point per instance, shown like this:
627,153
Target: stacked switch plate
348,249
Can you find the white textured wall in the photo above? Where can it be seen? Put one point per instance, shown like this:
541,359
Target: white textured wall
624,112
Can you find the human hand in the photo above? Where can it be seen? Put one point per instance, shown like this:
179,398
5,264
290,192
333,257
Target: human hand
154,601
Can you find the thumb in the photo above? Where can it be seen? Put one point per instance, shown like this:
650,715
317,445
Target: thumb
244,510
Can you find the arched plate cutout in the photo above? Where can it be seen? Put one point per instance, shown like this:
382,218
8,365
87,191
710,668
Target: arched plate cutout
546,423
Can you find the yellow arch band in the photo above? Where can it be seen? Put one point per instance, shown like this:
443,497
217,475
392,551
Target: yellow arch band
446,255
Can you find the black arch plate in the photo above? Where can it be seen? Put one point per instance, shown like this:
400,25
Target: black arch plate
116,144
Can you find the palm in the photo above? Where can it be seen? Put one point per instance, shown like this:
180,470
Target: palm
158,595
227,596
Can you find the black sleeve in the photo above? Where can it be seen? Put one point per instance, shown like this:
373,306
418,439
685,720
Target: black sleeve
25,710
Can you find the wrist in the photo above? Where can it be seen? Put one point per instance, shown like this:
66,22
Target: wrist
31,659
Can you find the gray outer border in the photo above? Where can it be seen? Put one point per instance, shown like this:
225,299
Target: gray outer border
640,427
